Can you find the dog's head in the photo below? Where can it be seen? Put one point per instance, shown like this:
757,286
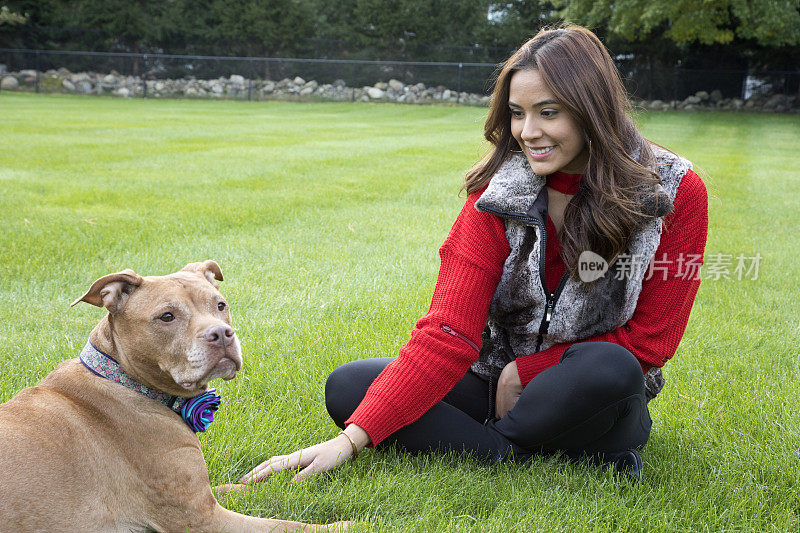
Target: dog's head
172,333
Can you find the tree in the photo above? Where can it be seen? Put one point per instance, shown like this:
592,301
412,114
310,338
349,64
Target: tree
11,18
769,22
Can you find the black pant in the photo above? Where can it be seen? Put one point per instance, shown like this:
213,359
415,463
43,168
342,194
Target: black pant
591,403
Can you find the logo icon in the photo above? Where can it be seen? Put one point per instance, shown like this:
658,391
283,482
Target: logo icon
591,266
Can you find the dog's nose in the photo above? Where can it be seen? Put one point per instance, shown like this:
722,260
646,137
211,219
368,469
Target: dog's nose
219,335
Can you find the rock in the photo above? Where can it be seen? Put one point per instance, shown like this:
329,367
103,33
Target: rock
123,92
9,82
109,80
313,84
397,85
63,73
299,81
375,93
715,96
27,73
381,85
217,89
159,86
655,105
83,87
68,85
702,95
775,101
446,94
237,79
737,103
305,91
340,84
268,87
691,100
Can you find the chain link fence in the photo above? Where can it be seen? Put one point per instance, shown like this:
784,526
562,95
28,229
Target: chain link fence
260,78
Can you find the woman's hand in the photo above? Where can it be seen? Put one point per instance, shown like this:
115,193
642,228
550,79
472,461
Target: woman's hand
321,457
509,388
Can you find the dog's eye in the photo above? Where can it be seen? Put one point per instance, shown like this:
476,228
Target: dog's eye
221,306
167,317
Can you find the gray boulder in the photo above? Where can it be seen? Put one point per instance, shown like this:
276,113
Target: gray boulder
375,93
775,101
9,82
83,87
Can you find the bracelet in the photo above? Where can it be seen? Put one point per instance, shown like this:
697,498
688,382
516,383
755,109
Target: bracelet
352,444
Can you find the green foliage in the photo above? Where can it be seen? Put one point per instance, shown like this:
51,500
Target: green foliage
768,22
11,18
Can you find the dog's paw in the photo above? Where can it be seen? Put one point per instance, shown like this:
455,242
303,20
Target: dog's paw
335,526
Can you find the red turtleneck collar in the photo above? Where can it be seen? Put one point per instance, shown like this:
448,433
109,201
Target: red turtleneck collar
564,183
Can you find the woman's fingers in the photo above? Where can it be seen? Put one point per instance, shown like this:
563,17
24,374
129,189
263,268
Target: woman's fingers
274,465
314,460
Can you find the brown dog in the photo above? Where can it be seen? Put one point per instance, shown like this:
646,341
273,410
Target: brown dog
81,452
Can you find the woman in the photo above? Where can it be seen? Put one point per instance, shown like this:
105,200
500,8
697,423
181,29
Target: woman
525,349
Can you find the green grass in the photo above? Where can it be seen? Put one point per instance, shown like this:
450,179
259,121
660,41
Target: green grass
326,220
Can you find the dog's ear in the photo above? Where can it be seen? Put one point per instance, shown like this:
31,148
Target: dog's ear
209,269
112,291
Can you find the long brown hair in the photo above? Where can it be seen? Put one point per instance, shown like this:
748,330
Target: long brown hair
577,69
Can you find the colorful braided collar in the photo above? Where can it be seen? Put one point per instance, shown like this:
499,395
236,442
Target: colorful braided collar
197,412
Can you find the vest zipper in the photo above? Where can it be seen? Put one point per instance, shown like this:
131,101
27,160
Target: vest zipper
552,297
447,329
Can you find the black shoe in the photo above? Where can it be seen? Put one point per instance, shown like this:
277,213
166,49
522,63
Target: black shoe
628,463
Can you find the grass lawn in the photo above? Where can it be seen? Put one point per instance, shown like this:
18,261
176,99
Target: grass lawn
326,220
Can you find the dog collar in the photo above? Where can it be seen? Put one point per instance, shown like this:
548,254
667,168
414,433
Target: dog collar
197,412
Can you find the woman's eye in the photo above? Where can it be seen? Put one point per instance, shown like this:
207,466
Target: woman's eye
221,306
516,113
167,317
547,113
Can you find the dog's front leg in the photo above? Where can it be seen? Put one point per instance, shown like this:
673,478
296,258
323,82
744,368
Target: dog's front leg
230,522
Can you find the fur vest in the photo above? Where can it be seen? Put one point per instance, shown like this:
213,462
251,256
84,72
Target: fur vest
524,318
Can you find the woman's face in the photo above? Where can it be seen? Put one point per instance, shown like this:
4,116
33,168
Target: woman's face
547,134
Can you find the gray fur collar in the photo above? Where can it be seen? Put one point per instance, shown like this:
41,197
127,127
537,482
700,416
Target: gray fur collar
514,187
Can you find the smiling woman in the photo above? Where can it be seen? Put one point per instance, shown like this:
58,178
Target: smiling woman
517,355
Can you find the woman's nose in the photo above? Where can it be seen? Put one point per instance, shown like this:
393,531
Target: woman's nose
531,130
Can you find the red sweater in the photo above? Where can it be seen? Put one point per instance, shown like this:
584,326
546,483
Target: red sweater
472,257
